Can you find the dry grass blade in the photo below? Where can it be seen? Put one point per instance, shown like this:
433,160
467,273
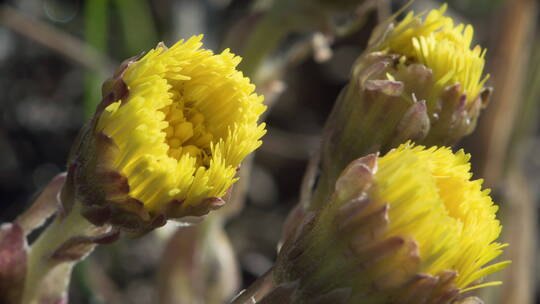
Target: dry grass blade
60,42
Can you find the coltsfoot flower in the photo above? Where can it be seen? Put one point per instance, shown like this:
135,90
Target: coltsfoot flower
420,79
167,139
408,227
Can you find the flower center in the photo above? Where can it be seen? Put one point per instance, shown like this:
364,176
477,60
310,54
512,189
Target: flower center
186,132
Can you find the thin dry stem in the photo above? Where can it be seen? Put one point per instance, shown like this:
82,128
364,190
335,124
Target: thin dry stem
56,40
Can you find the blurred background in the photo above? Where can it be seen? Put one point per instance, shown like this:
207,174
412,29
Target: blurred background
55,54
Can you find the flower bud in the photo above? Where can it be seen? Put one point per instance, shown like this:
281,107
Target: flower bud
408,227
166,140
418,80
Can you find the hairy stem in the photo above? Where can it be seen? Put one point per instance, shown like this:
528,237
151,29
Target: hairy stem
49,268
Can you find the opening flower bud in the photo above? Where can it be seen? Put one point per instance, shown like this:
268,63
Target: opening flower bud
167,139
407,227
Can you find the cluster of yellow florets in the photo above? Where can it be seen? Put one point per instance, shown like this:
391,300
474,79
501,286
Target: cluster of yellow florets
407,227
438,205
187,123
443,47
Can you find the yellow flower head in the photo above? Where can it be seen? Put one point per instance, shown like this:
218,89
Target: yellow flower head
181,120
445,48
433,200
407,227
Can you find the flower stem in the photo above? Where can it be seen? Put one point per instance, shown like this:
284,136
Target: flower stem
48,276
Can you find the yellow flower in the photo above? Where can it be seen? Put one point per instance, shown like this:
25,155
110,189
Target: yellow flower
439,45
175,124
407,227
433,200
